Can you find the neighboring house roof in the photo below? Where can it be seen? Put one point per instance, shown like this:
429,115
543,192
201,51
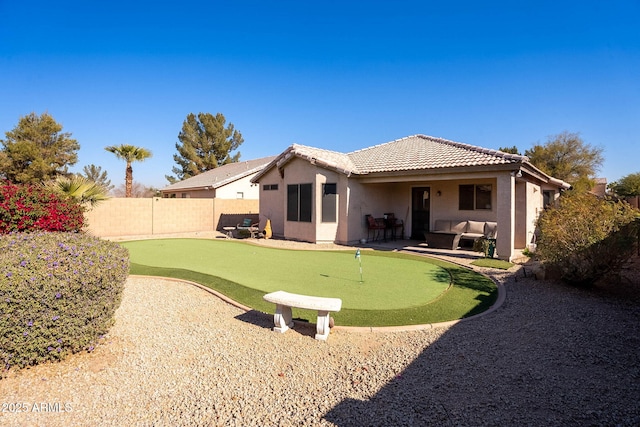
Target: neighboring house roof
221,175
417,152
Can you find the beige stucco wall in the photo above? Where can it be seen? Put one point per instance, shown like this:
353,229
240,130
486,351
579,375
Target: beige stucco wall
239,189
243,186
147,216
352,210
326,231
300,172
533,207
272,202
191,194
375,200
446,205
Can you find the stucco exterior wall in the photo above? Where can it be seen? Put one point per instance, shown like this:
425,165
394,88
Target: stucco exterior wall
240,189
326,231
506,216
377,200
447,204
191,194
354,207
272,202
528,211
300,172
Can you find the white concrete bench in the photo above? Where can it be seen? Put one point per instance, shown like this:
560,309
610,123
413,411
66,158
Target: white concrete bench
283,320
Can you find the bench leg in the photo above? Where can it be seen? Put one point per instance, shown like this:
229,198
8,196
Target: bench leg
282,319
322,326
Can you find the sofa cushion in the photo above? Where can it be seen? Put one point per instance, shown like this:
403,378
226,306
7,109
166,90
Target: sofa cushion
458,226
475,227
442,225
491,229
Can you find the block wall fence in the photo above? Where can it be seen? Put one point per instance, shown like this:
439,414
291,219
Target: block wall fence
148,216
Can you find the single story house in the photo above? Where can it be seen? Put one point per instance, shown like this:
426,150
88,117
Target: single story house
315,195
230,181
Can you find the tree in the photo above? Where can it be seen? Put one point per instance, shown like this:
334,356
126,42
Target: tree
96,174
80,189
205,143
137,190
628,186
36,150
567,157
130,154
511,150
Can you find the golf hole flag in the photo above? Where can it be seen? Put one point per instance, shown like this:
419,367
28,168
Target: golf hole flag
360,262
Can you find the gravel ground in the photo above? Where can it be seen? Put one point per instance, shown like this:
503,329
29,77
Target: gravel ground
177,355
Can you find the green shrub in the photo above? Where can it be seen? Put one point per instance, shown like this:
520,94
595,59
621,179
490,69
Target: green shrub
58,294
584,237
484,245
36,208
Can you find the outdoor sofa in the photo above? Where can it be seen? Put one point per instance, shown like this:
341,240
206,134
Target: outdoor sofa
450,234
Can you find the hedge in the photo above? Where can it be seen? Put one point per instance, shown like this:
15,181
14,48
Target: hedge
58,294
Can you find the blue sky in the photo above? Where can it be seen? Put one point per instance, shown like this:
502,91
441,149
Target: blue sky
337,75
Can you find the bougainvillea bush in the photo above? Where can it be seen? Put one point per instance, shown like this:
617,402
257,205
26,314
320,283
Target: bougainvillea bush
58,294
37,208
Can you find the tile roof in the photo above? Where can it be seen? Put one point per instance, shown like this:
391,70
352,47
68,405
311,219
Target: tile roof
412,153
222,175
325,158
419,152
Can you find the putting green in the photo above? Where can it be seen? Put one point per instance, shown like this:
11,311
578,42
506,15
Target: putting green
388,282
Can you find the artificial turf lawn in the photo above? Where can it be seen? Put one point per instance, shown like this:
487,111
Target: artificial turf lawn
493,263
397,289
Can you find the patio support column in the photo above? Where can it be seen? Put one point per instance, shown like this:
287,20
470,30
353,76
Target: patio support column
505,215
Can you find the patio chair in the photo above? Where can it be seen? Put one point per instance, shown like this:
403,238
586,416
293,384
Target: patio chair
253,230
374,225
394,224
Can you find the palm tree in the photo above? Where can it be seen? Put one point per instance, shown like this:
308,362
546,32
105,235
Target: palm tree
80,189
129,153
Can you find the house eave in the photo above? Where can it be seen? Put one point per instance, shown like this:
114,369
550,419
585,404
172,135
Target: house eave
435,174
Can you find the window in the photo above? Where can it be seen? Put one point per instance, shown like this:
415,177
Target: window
329,202
269,187
239,195
475,197
299,202
547,198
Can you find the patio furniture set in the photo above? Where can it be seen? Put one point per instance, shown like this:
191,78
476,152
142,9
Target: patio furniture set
378,227
247,226
450,234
